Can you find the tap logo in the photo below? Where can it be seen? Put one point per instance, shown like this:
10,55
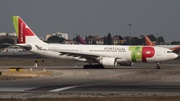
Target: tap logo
140,53
21,33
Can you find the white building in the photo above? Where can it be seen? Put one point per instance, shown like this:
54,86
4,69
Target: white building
12,34
3,33
64,35
59,34
47,36
7,34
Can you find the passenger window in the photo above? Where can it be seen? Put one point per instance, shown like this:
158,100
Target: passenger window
169,51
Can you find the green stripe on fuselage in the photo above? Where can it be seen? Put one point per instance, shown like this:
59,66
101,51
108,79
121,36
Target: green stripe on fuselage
136,53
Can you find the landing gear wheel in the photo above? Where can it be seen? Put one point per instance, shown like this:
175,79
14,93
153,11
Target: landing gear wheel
93,66
158,65
96,66
101,66
86,66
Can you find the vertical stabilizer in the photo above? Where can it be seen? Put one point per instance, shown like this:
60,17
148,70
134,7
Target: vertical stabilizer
122,41
24,34
81,40
148,41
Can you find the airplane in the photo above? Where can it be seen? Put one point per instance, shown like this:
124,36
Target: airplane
80,40
122,41
171,47
148,41
97,56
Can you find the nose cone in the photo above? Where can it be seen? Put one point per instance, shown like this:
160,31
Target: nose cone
175,56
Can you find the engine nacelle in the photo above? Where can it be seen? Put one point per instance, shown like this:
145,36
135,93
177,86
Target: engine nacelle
126,64
108,61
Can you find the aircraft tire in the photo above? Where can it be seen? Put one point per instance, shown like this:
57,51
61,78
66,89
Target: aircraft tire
93,66
101,66
86,66
96,66
158,67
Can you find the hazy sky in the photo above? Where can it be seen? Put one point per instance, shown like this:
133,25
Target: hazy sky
95,17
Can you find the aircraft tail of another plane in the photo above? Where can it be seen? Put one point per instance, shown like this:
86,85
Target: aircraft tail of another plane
24,34
148,41
81,40
122,40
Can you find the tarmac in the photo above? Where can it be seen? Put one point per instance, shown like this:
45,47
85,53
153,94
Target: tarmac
70,80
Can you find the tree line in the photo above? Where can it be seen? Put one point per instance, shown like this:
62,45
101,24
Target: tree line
107,40
134,40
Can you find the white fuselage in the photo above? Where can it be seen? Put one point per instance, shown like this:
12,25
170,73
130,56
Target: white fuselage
121,53
168,46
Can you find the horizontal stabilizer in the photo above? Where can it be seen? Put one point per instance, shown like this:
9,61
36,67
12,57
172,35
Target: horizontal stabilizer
24,46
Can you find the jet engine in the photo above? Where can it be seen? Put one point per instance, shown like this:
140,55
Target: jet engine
108,61
124,62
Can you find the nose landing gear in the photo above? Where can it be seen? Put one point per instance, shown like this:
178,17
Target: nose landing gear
158,65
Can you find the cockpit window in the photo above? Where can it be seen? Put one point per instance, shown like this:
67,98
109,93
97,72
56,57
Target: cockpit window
170,52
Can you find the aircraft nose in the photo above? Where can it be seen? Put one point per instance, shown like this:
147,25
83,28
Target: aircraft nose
175,56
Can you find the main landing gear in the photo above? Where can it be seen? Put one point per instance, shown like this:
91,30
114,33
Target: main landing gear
158,65
93,66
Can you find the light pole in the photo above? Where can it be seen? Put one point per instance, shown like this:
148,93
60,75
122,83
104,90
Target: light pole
130,33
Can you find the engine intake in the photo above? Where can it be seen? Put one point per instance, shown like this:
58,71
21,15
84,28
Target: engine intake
108,61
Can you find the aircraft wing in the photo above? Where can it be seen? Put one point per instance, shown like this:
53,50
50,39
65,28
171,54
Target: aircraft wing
86,55
175,48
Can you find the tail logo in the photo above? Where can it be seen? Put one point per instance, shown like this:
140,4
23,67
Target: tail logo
21,33
22,30
149,40
122,41
24,34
